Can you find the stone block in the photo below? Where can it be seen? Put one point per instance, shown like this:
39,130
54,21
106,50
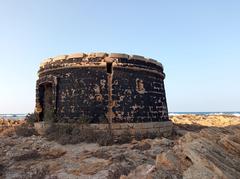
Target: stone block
118,55
76,55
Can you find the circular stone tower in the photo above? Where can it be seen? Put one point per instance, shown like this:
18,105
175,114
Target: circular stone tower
117,90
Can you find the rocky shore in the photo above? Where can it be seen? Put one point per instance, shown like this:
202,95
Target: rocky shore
200,147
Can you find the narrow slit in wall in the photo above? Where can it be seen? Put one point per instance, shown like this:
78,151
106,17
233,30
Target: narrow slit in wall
109,68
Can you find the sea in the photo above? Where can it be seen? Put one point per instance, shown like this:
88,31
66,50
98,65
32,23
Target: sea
234,113
13,116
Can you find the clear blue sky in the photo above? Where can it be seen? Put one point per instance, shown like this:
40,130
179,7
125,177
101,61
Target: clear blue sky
198,43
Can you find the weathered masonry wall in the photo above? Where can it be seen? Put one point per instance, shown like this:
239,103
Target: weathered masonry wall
101,88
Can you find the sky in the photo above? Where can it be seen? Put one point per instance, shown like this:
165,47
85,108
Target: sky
198,42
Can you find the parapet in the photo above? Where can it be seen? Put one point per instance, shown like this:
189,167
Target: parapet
99,59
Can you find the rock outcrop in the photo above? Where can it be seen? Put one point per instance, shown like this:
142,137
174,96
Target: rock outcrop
194,151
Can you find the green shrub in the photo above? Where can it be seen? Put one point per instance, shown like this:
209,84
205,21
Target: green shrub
31,118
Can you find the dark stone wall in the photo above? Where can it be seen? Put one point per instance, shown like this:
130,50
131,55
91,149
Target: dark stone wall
84,90
81,93
138,105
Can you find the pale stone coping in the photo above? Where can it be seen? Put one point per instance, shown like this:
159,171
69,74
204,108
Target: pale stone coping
76,55
60,57
99,55
138,57
118,55
141,58
48,60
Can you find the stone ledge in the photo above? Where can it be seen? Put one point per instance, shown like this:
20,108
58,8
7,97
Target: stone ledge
98,55
164,127
101,65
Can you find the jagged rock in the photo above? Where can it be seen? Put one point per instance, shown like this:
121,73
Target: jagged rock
143,145
210,120
53,153
166,142
141,172
202,152
1,121
214,153
168,161
25,155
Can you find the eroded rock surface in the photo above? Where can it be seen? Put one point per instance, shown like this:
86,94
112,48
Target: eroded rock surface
194,151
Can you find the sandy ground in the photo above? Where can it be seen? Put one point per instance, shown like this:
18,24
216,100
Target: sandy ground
200,147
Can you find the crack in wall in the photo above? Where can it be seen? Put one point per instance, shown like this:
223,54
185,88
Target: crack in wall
110,101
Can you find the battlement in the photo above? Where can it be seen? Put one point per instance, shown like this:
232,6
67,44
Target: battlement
99,59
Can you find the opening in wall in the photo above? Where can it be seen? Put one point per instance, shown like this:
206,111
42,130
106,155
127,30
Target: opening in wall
109,68
46,101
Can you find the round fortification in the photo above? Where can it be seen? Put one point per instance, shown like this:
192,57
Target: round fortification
116,89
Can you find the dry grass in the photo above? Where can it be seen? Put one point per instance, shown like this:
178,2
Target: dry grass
126,137
25,130
33,154
148,135
69,134
30,119
118,170
36,173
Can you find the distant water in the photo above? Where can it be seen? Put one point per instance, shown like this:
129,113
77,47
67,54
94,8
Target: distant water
13,116
21,116
235,113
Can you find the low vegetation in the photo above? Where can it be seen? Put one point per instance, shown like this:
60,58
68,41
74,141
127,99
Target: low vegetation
32,154
25,130
69,134
73,134
30,119
118,171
